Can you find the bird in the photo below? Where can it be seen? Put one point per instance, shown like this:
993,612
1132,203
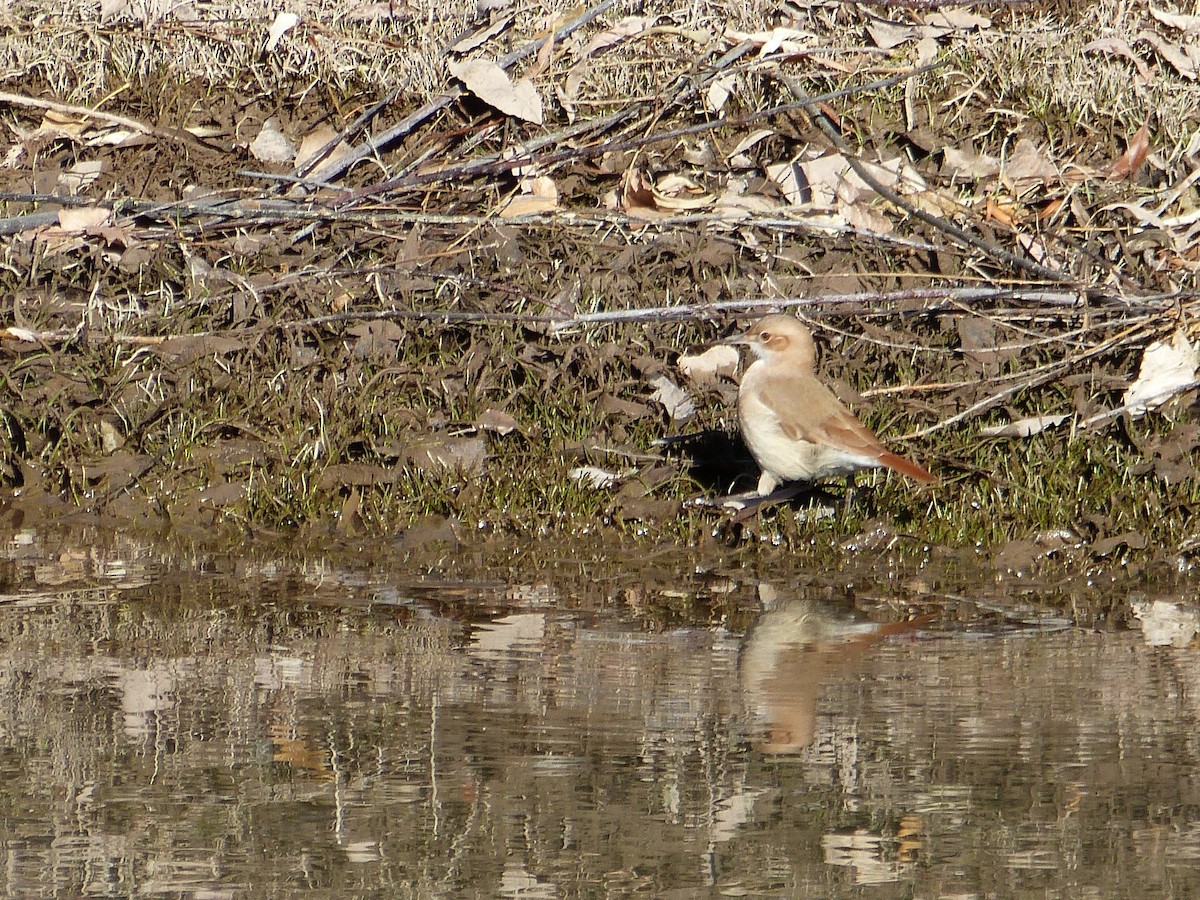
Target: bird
793,425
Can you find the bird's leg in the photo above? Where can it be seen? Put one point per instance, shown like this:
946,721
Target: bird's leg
849,495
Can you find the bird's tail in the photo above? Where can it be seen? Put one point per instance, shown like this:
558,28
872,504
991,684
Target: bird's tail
906,467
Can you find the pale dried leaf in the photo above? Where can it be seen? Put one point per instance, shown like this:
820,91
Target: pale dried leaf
706,367
675,400
272,145
491,84
1121,48
1023,428
1187,24
719,92
537,195
284,22
676,192
966,163
595,477
957,19
81,175
750,140
314,141
1165,368
888,35
481,37
21,334
82,218
1027,166
1183,60
626,28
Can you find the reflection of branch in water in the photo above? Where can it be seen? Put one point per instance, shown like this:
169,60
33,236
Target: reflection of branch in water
790,653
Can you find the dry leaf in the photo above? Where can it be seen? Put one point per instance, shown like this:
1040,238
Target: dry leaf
1165,369
1024,428
491,84
675,400
1184,61
626,28
537,195
676,192
272,145
1187,24
284,22
480,37
1121,48
498,421
81,175
314,141
79,219
704,368
595,477
1133,157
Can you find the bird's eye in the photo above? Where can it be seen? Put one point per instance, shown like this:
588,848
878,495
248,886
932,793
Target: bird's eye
765,335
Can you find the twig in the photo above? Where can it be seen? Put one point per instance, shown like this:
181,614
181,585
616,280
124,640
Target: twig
452,93
67,109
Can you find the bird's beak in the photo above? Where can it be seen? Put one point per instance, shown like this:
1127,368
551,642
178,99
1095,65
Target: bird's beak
738,340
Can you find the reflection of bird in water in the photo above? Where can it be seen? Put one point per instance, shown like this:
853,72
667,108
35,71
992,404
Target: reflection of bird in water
793,649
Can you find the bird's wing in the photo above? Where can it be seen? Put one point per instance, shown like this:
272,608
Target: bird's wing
807,410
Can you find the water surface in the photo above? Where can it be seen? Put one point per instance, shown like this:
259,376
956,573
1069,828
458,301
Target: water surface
215,727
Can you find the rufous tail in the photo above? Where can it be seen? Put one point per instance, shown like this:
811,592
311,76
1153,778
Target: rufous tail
906,467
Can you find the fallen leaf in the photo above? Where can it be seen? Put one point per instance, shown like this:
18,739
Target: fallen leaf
314,141
1165,369
1121,48
1024,428
81,218
676,192
537,195
81,175
481,37
595,477
706,367
1026,167
1133,157
284,22
491,84
1187,24
675,400
626,28
272,145
1183,61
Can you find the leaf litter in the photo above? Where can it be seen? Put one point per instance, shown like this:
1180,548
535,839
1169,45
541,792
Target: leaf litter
490,273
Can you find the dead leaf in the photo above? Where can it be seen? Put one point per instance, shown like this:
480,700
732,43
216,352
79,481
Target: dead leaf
491,84
81,175
595,477
675,400
1188,24
284,22
1024,428
314,141
1121,48
537,195
1133,157
705,368
272,145
1165,369
498,421
966,163
678,192
1028,167
82,218
624,29
1184,61
481,37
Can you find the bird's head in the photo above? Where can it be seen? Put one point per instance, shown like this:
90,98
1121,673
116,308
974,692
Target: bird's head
780,337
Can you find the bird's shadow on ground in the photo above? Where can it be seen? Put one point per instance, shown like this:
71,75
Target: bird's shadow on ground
720,463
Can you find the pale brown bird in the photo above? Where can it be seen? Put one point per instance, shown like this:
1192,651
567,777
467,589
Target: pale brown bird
794,426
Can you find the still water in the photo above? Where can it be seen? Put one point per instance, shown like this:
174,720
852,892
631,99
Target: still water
209,728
